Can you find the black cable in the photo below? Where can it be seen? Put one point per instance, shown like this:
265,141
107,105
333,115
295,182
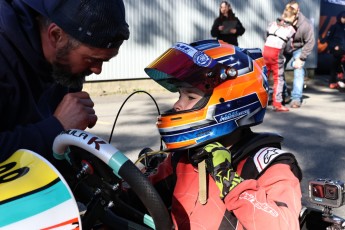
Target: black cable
118,113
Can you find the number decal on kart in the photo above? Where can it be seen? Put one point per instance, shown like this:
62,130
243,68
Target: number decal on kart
7,175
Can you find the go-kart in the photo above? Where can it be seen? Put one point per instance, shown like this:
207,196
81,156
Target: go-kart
89,193
35,195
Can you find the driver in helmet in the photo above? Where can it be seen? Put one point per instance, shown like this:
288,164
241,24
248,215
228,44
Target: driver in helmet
220,174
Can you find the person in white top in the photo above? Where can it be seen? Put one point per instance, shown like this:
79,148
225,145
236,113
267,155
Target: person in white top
279,37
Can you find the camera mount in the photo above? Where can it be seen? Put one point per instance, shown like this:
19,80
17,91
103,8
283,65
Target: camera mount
328,194
327,216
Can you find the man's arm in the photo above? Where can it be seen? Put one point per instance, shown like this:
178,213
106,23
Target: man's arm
308,38
214,30
75,111
38,137
239,28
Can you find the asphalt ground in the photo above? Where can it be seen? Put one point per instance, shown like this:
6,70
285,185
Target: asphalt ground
315,133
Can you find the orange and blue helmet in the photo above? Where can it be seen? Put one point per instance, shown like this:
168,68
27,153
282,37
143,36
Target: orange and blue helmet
233,79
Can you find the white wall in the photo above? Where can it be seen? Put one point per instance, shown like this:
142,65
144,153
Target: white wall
156,24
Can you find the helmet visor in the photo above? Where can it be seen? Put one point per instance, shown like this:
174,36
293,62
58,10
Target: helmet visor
184,66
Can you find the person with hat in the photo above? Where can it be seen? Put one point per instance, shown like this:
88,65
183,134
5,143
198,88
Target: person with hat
47,48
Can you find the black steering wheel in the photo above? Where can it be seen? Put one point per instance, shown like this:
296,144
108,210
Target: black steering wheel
121,166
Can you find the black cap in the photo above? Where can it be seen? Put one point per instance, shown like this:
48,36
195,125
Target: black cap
98,23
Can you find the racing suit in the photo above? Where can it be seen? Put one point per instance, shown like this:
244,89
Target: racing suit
279,36
270,201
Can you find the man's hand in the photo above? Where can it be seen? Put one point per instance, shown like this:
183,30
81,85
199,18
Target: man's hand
298,63
75,111
218,164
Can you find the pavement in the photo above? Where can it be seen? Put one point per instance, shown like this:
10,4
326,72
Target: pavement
315,132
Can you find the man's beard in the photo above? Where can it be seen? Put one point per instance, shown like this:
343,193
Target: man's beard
62,72
65,78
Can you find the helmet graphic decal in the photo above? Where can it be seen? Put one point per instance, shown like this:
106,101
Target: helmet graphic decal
199,58
202,59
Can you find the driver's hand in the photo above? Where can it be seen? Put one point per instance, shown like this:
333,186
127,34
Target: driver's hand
75,111
148,160
218,164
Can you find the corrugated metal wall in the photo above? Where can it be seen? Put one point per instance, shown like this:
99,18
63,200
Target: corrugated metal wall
156,24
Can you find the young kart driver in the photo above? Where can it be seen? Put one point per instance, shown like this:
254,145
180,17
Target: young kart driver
250,182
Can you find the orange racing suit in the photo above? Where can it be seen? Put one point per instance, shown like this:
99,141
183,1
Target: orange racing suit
272,201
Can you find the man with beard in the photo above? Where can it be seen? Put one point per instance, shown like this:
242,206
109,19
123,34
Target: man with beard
46,50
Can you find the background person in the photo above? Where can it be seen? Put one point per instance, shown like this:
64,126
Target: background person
279,36
215,109
335,38
227,27
46,50
303,44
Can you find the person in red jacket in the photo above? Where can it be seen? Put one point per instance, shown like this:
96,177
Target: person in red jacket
219,174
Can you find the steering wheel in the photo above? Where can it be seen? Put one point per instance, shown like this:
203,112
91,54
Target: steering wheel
122,167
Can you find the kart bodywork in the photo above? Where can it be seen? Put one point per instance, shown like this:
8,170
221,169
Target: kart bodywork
34,195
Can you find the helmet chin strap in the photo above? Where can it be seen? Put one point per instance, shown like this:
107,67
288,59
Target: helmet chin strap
170,111
202,196
202,182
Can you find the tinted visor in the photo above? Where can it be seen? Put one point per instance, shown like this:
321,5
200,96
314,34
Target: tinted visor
184,66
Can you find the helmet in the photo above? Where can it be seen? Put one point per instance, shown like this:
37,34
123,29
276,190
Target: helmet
234,81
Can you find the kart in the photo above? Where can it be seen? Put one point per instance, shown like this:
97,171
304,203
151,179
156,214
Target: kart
35,195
